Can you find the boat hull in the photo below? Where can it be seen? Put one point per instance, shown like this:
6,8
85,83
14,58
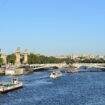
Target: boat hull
55,76
6,90
71,71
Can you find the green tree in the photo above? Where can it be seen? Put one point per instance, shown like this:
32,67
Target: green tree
11,58
41,59
1,61
69,61
22,59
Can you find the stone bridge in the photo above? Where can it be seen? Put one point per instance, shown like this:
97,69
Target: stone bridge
44,66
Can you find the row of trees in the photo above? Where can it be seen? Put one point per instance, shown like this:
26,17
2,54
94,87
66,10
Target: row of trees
92,60
32,59
41,59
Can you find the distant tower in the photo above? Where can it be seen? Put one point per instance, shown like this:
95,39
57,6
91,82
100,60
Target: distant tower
25,57
17,62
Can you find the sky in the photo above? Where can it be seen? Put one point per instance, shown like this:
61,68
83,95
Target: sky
53,27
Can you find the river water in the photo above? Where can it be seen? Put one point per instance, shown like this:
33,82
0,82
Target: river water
84,88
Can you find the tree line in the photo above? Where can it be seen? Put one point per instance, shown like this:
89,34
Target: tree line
92,60
38,59
41,59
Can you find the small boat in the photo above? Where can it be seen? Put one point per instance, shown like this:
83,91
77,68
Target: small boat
72,70
55,74
15,84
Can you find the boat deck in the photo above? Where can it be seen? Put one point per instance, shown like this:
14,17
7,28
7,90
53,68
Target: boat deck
10,87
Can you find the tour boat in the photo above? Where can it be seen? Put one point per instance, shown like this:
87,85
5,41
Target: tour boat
72,70
55,74
15,84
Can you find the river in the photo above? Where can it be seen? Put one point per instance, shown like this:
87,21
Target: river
84,88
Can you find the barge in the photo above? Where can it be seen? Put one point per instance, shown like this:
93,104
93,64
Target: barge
15,84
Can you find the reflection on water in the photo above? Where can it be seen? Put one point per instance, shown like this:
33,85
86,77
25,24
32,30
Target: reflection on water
70,89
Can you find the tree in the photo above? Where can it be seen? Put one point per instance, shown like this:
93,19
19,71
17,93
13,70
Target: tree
1,61
11,58
22,59
69,61
41,59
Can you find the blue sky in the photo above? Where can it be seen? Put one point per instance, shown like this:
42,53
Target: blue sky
53,27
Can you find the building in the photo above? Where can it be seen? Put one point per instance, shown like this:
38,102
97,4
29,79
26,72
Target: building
14,71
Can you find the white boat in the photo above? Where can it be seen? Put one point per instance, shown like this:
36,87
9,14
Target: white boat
15,84
55,74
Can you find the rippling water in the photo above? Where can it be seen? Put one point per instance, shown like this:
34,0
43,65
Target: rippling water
85,88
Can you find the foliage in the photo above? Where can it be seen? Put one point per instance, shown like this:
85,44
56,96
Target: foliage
1,61
41,59
22,59
69,61
11,58
92,60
